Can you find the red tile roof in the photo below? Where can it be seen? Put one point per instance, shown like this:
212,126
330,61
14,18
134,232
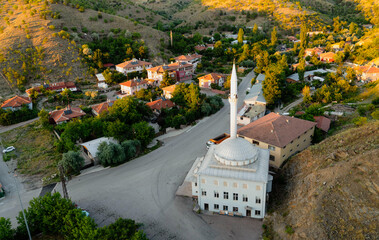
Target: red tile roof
275,129
213,77
52,87
169,89
187,58
66,114
323,123
133,63
159,104
16,101
102,107
327,55
170,67
133,83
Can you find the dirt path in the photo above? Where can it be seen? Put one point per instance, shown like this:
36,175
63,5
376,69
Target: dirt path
8,128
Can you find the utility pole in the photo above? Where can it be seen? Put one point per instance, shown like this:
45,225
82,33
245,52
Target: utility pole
172,41
22,208
63,180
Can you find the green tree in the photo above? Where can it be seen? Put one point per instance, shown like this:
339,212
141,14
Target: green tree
131,148
128,110
110,154
303,36
167,80
273,84
240,36
6,231
118,130
301,69
72,162
353,28
122,229
274,37
227,82
143,133
307,98
44,117
144,72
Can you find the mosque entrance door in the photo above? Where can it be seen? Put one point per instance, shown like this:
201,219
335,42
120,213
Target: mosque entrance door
248,213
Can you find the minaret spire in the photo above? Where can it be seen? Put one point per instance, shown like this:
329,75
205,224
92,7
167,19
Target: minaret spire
233,103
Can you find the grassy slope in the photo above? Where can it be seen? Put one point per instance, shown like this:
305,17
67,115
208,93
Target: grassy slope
332,189
36,155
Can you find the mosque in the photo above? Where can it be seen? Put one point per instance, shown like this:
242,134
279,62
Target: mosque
232,178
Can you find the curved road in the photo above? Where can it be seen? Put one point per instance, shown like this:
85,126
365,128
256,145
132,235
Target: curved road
144,189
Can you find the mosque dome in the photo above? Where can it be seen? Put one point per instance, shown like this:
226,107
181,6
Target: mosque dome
236,152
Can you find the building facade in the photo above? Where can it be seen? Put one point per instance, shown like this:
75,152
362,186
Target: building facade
131,87
178,71
215,78
15,103
133,65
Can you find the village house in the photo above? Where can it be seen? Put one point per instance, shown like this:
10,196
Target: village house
194,59
327,57
101,81
284,136
90,149
294,66
204,47
310,51
367,73
323,123
101,107
55,87
131,87
159,104
15,103
216,78
293,39
315,33
178,71
169,91
309,76
254,104
65,115
133,65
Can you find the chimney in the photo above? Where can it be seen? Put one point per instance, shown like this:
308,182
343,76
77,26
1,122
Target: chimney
287,120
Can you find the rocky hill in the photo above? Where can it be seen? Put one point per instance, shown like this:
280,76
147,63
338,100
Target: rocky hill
331,190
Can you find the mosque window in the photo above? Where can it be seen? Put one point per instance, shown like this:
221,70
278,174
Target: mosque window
257,212
235,196
225,208
226,195
216,194
244,198
257,200
216,207
204,193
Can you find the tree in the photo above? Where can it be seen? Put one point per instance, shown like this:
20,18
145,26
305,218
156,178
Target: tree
350,75
274,37
131,148
353,28
110,154
240,36
301,69
303,36
306,95
72,162
121,229
144,72
255,29
167,80
118,130
339,57
128,110
6,231
44,117
143,133
273,84
66,93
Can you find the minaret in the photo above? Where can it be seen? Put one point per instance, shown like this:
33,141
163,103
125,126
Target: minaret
233,103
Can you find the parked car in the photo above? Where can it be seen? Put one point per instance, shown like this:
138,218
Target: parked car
9,149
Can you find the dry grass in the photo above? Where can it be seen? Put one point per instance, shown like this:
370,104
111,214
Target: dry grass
36,154
333,188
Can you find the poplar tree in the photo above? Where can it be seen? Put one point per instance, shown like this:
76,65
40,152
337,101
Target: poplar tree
240,36
274,37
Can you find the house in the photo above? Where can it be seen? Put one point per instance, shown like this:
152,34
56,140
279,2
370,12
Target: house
169,91
294,66
235,42
194,59
179,71
293,39
131,87
254,105
367,26
108,65
101,81
65,115
15,103
157,105
152,82
55,87
315,33
133,65
310,51
90,149
206,80
323,123
204,47
367,73
337,47
284,136
308,76
101,107
327,57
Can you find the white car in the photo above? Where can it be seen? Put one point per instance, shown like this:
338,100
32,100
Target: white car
9,149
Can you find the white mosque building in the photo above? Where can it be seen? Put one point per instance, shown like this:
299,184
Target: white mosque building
232,178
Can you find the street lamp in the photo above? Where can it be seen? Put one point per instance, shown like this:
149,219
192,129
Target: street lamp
22,207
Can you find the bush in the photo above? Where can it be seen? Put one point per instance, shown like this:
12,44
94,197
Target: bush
110,154
51,27
289,230
131,148
72,162
6,231
360,121
375,114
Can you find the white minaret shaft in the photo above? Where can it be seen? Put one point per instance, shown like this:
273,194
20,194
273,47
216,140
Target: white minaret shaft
233,103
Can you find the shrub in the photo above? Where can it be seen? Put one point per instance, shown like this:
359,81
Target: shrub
51,27
6,231
375,114
72,162
289,230
110,154
360,121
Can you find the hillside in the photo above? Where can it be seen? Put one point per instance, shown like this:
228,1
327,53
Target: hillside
331,190
40,43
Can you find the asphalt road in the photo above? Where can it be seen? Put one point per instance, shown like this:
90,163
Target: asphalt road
144,189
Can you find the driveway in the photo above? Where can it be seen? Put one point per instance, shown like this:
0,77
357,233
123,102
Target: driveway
144,189
10,127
